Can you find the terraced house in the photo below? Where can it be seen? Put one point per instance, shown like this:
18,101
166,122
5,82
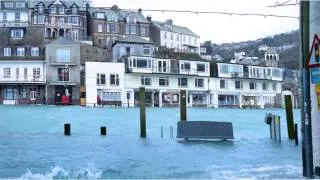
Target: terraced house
60,18
108,25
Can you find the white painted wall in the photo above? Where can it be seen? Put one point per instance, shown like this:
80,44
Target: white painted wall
13,65
107,68
193,68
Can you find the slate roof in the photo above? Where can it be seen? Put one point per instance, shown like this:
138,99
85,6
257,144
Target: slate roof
122,14
63,41
133,40
175,28
68,3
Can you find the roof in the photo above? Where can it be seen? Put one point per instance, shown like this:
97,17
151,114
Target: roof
68,3
132,40
122,14
271,51
175,28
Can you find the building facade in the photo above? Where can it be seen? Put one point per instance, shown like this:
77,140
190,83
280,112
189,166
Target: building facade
60,18
63,72
109,25
178,38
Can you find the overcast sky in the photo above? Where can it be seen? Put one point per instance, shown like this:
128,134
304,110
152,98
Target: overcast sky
218,28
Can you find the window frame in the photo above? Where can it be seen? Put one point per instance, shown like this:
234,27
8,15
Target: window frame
240,85
254,85
146,81
21,51
101,79
197,82
181,82
6,72
223,85
7,52
165,81
114,79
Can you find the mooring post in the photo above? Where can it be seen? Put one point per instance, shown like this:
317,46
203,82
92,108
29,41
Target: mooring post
67,129
171,132
289,114
161,132
296,139
143,132
94,104
183,105
103,131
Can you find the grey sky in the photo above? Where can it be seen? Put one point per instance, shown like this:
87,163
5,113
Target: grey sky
218,28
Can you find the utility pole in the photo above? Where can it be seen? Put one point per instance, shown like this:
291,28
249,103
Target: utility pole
307,151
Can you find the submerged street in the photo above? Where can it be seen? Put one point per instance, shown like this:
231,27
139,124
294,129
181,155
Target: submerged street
32,145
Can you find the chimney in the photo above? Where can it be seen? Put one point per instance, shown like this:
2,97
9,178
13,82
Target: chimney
149,18
169,21
139,10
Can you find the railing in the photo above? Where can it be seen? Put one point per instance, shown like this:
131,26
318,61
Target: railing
16,23
246,75
60,25
20,58
21,79
54,61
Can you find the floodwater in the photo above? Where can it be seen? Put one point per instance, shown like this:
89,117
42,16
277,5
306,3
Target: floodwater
32,145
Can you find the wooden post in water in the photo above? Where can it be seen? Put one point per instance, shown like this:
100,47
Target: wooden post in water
103,131
67,129
289,114
296,139
142,94
183,105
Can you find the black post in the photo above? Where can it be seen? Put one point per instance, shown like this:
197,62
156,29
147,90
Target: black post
67,129
296,139
143,132
183,105
307,151
289,115
103,131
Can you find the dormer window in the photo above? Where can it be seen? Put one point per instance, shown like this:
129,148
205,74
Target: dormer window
111,17
20,5
8,4
74,10
131,19
100,15
40,9
53,9
61,10
17,33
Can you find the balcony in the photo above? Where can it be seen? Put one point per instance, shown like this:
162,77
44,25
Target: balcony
55,62
14,23
23,80
58,25
22,58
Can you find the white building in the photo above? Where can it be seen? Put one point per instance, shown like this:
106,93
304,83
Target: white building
22,82
179,38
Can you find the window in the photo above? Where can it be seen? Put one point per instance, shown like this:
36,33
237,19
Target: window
100,28
143,31
63,55
74,10
163,66
146,50
4,16
53,9
264,86
75,34
17,33
114,79
40,19
101,79
164,81
131,29
165,35
185,66
111,17
223,84
224,68
252,86
61,20
63,74
17,16
25,73
61,10
131,19
20,51
238,85
34,51
6,72
171,36
276,73
127,29
274,86
183,82
201,67
100,15
74,20
7,51
17,73
40,9
113,28
8,4
142,63
177,37
145,81
20,5
36,73
199,83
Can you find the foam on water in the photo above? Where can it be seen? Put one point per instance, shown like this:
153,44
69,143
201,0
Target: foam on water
58,172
